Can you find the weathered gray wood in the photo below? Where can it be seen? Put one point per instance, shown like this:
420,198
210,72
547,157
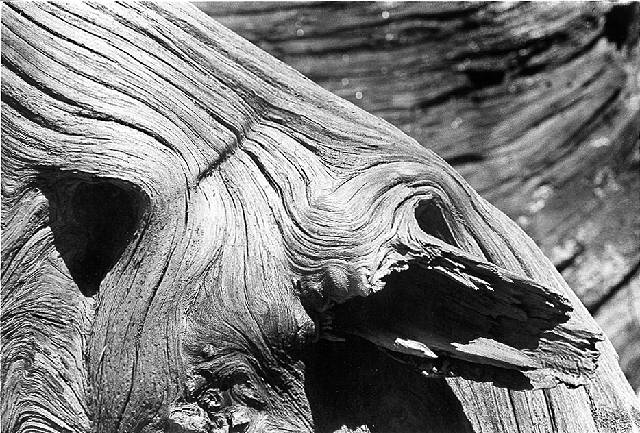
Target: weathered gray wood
536,104
183,215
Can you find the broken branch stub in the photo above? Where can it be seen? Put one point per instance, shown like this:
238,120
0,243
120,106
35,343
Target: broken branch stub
183,215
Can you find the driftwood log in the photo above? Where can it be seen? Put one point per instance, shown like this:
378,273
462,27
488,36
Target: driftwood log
536,104
197,238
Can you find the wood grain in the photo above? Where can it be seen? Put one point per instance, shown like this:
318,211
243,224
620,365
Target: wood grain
536,104
181,212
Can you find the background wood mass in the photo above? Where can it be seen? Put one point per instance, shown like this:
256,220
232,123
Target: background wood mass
536,104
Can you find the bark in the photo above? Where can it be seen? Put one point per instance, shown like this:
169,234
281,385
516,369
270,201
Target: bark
536,104
183,217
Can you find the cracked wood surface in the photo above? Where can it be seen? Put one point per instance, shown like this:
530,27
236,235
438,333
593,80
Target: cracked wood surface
537,105
183,216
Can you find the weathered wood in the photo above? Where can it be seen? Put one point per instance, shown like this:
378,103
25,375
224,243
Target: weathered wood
536,104
183,215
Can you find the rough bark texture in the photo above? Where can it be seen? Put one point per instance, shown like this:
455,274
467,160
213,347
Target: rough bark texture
536,104
183,217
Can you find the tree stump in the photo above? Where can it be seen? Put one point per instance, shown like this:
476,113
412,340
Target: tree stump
197,238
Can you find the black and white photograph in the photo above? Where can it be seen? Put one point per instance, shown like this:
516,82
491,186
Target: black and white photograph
320,217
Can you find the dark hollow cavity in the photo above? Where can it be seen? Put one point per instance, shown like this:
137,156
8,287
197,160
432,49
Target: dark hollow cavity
92,220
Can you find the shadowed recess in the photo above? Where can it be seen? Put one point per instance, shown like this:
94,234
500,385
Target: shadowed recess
431,220
92,220
622,24
353,383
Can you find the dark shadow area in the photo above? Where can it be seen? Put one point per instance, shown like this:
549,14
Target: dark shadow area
622,24
465,158
481,78
92,220
431,220
353,383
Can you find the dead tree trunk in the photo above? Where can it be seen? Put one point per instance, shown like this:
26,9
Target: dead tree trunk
536,104
184,217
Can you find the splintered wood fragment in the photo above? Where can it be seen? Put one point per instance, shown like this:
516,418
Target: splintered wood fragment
414,347
181,212
507,322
